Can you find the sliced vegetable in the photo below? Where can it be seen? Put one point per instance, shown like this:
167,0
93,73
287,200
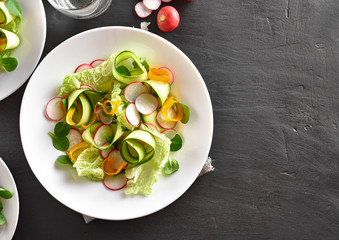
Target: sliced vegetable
170,133
102,134
5,16
76,151
159,75
118,160
141,10
151,119
164,123
151,126
168,114
133,90
82,67
132,115
96,62
55,109
171,75
162,89
152,4
146,103
115,183
74,137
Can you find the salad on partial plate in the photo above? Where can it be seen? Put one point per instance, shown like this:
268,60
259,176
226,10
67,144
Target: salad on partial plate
118,122
10,18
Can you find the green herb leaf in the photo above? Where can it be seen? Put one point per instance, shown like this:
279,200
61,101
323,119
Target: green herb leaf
5,193
123,70
144,62
60,143
61,129
176,143
1,207
14,8
2,219
9,63
64,159
187,114
171,166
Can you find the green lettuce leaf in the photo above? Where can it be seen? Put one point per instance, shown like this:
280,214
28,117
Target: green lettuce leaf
99,78
89,164
143,177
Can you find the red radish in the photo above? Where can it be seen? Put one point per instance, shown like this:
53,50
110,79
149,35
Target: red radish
98,113
55,110
133,90
146,103
152,4
82,67
141,10
104,153
115,183
164,123
87,86
170,73
118,160
168,19
132,115
170,133
96,62
151,126
100,134
74,137
167,1
105,119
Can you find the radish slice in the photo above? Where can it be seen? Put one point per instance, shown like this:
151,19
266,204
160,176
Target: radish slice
74,137
132,115
82,67
152,4
115,183
151,126
96,62
164,123
118,160
105,119
170,133
54,110
146,103
170,73
104,153
167,1
133,90
141,10
100,134
87,86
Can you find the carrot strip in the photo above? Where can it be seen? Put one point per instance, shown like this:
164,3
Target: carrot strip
109,161
114,107
75,148
167,105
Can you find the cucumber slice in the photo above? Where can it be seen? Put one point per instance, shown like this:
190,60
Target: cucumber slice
162,89
152,119
12,40
5,16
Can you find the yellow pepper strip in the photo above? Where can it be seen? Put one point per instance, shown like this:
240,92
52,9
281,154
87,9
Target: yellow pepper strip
70,114
3,41
114,106
74,149
167,105
109,161
159,75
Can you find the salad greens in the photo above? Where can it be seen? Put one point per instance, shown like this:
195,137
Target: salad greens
6,195
112,136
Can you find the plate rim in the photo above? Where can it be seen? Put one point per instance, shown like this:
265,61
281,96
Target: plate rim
211,118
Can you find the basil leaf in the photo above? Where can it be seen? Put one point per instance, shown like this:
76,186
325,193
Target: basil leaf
9,63
171,166
176,143
61,129
60,143
2,219
5,193
14,8
64,159
123,70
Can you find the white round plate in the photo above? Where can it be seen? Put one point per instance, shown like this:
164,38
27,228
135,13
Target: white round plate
11,206
92,198
32,34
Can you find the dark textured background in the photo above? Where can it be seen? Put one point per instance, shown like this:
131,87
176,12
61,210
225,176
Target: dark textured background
271,67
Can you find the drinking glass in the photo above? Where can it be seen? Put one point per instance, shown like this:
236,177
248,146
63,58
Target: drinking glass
81,9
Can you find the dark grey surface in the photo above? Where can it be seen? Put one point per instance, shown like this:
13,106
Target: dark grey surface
271,68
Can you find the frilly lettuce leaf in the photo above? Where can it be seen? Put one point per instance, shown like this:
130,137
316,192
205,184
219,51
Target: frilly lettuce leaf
142,178
95,77
89,164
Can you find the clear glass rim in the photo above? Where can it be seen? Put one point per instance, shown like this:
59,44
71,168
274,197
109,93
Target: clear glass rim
68,8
